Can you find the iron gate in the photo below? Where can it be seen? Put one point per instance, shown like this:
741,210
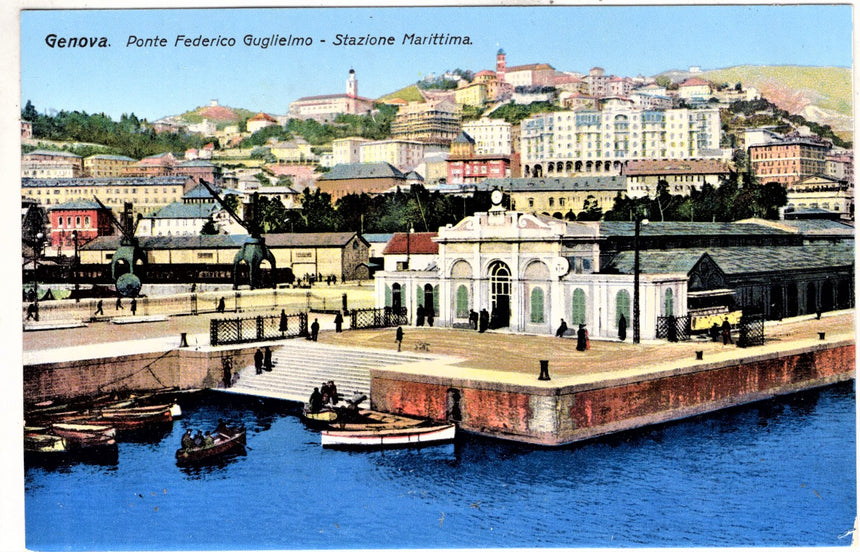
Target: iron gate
751,330
673,328
377,318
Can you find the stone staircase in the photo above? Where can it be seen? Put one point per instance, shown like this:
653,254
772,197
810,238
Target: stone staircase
301,365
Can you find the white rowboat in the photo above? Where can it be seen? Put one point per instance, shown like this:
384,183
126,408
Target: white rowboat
384,438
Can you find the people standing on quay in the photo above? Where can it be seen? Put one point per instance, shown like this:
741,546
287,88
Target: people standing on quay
267,359
282,325
258,361
419,315
483,320
473,319
727,331
622,328
430,315
99,308
561,329
398,337
581,338
315,330
338,322
715,332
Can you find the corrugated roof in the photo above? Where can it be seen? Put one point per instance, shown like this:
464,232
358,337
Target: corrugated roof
738,260
112,157
677,228
418,243
219,241
352,171
75,205
180,210
54,153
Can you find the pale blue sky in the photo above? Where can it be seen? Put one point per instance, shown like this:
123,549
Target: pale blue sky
626,41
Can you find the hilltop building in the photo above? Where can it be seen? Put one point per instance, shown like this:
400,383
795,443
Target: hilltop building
326,107
432,121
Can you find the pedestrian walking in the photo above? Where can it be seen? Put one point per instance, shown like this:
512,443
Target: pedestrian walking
133,306
315,330
561,329
622,328
99,308
118,305
338,322
221,306
398,337
258,361
33,311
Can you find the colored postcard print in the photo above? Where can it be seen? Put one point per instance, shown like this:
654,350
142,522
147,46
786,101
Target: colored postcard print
436,277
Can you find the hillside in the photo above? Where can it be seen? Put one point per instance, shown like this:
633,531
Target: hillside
820,94
410,93
218,114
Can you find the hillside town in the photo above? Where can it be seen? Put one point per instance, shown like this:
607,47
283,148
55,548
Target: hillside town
569,174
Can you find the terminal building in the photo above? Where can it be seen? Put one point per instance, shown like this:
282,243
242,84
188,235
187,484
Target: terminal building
530,271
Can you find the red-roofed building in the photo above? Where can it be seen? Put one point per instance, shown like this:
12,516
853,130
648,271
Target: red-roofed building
410,251
154,165
260,121
694,88
681,175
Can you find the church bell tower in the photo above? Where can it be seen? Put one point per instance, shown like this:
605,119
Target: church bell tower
352,85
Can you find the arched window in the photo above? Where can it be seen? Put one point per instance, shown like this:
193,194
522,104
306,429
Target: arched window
622,306
577,315
668,303
87,221
537,314
396,298
462,302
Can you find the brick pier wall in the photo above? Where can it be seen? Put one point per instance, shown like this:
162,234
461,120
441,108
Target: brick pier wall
150,371
565,414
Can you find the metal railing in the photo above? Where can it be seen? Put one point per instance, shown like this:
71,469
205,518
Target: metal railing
377,318
231,331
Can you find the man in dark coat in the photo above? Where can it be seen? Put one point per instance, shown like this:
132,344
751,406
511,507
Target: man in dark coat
727,331
258,361
561,329
133,306
398,337
338,322
483,320
315,401
473,319
581,338
221,305
315,330
430,315
419,316
99,308
282,326
267,359
622,328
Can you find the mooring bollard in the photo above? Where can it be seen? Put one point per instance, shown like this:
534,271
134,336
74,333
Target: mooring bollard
183,340
544,370
821,336
700,355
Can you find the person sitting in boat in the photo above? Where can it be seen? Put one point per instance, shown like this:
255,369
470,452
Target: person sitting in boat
187,440
198,439
316,401
208,441
223,428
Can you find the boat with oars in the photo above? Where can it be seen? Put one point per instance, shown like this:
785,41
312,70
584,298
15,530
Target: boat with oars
225,441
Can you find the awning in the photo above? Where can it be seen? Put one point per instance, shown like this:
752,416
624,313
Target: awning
710,293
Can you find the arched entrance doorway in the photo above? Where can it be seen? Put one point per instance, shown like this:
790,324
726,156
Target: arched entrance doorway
500,295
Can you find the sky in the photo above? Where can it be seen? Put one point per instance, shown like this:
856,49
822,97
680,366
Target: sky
154,82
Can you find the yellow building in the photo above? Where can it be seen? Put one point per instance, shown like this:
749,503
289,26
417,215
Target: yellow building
403,154
562,197
297,150
146,193
98,166
472,94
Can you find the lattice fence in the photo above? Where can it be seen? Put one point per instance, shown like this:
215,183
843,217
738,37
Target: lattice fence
377,318
751,330
229,331
681,328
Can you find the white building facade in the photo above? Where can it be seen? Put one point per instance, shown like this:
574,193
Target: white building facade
492,136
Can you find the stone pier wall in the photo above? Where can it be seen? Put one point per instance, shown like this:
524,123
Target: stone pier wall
565,414
151,371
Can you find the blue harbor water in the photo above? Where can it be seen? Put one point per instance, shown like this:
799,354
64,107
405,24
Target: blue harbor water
777,473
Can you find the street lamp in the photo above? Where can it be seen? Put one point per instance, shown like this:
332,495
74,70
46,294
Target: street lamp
640,220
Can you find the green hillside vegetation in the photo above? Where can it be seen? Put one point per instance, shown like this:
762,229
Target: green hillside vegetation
410,94
826,87
196,116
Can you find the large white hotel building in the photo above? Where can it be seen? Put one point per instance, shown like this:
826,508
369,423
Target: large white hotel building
565,143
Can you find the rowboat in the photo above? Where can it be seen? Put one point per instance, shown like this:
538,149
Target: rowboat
230,442
423,435
43,444
124,420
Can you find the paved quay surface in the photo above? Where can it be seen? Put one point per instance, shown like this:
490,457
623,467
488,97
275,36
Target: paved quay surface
494,355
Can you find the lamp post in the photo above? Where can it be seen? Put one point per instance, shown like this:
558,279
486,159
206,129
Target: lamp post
640,220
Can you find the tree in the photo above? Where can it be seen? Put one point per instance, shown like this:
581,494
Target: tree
209,228
591,210
29,112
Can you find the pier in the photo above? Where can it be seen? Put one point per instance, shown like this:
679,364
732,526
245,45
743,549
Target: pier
489,383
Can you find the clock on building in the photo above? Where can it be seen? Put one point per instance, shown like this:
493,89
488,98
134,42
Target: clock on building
496,197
